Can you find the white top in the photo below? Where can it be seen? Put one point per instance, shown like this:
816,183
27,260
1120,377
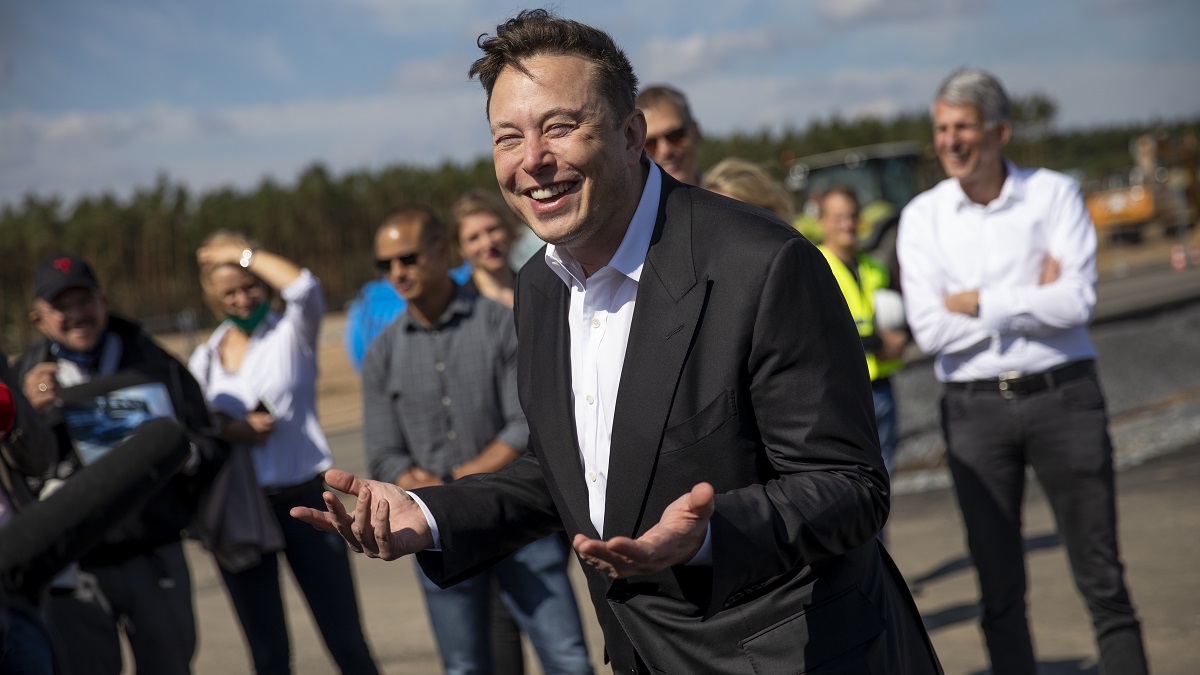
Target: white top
948,244
279,369
599,316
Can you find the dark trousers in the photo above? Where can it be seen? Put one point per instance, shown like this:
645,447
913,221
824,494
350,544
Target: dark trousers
1061,432
321,565
149,596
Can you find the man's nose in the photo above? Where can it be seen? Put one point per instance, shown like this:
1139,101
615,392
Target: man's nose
537,154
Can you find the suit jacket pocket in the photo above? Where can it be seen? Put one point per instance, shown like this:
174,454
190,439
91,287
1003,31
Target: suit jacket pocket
805,641
702,424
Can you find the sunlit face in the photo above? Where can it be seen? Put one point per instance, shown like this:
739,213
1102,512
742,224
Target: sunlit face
75,318
485,241
412,264
968,149
239,291
673,142
839,222
562,163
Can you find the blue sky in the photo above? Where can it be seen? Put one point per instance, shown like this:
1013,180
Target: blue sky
102,95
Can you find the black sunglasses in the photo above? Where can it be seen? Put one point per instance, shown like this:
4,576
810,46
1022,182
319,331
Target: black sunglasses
406,260
674,137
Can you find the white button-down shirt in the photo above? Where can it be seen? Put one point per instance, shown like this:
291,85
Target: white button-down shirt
599,316
948,244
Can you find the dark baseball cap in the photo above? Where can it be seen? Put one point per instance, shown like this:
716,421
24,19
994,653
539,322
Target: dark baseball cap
62,272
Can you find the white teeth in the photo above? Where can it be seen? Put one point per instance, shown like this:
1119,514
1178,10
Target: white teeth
548,192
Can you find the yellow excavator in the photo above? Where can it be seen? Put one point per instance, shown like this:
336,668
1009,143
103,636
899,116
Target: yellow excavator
1160,189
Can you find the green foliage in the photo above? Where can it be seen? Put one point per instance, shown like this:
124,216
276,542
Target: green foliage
143,247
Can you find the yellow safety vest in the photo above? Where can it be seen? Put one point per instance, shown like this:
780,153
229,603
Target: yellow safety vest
860,300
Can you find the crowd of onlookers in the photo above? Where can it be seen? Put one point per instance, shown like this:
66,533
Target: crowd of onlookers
998,276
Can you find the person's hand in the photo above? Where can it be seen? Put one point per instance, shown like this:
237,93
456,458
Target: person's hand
41,386
386,522
893,344
1051,269
966,302
262,423
213,255
673,541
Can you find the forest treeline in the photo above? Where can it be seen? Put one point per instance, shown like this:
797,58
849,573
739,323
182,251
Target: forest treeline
143,245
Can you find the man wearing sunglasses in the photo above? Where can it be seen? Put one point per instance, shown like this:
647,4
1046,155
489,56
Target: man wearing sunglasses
672,135
439,403
378,302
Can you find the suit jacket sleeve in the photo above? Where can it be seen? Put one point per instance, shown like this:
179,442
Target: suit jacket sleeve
811,398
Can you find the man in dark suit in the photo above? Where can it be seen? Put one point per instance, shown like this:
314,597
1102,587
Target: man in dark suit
713,453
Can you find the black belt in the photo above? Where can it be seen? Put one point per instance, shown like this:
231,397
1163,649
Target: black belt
1010,385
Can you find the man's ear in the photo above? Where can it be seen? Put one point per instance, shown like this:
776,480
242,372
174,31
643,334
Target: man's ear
635,135
1005,130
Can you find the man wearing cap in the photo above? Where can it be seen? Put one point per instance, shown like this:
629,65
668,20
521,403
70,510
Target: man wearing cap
137,577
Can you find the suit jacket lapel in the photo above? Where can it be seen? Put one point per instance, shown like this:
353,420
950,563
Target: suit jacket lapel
670,300
551,402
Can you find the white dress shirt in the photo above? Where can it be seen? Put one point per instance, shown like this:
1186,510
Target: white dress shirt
949,244
600,315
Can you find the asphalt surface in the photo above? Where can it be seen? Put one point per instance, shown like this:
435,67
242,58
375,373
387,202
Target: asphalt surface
1149,366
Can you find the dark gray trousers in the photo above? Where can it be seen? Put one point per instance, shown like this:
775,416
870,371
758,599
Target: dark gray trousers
1062,433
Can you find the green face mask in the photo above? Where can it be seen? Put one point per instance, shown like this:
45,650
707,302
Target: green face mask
248,324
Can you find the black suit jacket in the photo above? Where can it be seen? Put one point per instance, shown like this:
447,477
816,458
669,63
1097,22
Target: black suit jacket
743,369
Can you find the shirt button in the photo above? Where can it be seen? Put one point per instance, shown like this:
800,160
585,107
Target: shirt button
592,476
445,400
590,399
439,366
595,323
452,434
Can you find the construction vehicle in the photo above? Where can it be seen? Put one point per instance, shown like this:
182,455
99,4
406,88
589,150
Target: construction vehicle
1160,189
886,176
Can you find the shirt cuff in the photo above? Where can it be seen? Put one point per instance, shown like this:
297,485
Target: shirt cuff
704,555
433,528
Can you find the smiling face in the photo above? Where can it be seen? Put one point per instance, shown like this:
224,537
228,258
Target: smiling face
75,318
969,149
564,166
239,292
485,241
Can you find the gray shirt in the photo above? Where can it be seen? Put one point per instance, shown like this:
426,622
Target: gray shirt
435,397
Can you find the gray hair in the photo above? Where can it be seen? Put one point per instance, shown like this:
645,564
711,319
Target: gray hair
978,88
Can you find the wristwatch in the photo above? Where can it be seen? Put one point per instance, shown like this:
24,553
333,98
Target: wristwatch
247,257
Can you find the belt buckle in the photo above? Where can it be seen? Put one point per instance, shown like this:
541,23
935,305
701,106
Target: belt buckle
1006,382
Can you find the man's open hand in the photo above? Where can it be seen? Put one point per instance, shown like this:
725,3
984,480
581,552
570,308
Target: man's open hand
386,522
673,541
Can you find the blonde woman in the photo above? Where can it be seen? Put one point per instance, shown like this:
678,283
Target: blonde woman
259,372
483,231
750,183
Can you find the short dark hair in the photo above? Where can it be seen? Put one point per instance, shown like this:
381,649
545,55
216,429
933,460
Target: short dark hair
654,96
538,32
432,228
